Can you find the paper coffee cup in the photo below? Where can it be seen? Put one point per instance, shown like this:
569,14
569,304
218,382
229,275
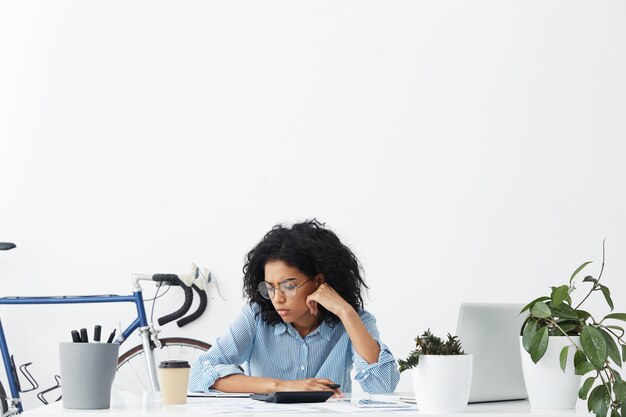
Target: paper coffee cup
173,379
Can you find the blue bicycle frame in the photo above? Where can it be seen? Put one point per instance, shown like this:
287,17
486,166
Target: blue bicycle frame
141,323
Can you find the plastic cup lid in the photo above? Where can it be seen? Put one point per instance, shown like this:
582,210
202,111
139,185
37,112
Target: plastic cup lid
174,364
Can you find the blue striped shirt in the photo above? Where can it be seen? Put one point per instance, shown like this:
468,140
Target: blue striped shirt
280,352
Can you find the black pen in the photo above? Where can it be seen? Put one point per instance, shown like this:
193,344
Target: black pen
75,336
83,336
111,336
96,333
333,386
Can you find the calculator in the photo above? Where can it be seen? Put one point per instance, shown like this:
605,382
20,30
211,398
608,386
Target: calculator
294,396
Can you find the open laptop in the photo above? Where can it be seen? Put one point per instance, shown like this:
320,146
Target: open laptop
490,332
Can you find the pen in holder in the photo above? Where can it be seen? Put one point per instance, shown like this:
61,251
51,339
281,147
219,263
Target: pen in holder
87,372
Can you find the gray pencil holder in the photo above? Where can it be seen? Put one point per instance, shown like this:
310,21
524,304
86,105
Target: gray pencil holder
87,373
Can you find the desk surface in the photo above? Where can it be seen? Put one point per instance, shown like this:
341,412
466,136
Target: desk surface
125,405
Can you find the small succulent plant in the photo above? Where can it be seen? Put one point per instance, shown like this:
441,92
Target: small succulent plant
429,344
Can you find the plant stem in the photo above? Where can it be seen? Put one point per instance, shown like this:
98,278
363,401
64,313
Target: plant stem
597,281
610,372
608,388
618,337
566,335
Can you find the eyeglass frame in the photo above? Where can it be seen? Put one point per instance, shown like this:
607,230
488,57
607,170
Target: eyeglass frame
270,287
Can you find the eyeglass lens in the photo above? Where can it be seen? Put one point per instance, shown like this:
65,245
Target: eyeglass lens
267,291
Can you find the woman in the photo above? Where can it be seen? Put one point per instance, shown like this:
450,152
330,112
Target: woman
304,327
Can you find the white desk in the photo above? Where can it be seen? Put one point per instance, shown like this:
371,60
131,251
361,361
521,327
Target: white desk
125,405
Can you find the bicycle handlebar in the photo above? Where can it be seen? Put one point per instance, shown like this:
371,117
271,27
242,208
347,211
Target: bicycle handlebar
173,279
6,245
203,303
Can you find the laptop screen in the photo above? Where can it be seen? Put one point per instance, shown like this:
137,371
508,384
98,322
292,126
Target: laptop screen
490,332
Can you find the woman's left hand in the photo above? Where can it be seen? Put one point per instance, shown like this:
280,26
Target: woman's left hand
329,298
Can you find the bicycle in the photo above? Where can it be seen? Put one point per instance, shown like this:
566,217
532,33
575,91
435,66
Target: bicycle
136,369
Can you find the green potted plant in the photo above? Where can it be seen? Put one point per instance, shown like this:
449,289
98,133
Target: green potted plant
441,372
565,342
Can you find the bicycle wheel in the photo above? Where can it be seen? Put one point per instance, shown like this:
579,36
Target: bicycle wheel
3,400
132,371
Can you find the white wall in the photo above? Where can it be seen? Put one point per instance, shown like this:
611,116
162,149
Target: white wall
467,151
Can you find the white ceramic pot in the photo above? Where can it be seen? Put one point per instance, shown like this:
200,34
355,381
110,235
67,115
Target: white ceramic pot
442,383
547,385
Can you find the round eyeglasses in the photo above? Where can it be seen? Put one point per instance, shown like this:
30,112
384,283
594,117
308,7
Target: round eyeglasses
288,288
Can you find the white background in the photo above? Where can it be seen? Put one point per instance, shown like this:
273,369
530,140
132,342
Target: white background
466,151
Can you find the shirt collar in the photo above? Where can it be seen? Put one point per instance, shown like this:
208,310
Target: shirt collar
324,329
279,328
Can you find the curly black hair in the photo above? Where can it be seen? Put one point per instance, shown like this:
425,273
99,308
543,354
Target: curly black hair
313,249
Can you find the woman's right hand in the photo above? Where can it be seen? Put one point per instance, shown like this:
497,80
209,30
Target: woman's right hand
309,384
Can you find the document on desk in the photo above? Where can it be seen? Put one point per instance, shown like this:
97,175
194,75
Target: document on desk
364,405
213,405
218,394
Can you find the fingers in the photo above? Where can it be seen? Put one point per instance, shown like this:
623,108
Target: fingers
312,384
312,305
337,393
324,381
322,384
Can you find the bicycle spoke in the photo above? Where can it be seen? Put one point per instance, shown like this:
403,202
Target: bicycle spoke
196,355
133,368
143,386
122,381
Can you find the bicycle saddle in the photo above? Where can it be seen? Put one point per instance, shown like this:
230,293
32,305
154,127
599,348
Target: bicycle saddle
6,245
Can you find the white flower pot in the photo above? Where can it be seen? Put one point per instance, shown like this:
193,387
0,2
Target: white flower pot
547,385
442,383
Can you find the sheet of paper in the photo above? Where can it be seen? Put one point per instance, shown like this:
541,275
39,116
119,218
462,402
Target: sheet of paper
218,394
213,405
361,405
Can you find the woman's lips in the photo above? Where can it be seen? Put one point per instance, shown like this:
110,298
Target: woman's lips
282,312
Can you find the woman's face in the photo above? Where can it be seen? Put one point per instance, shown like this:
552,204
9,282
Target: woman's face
291,309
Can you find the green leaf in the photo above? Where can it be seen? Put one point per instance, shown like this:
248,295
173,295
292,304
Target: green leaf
559,294
540,310
579,358
584,390
616,316
532,303
624,352
539,344
578,270
624,409
619,388
607,295
582,314
619,329
593,345
599,401
583,368
615,413
568,327
563,357
589,278
611,348
527,335
565,312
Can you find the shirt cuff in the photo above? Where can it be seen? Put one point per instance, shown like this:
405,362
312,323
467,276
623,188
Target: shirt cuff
365,368
211,373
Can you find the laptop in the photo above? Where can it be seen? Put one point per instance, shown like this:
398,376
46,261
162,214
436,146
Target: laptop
490,332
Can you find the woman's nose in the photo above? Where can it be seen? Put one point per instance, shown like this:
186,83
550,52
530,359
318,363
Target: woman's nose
279,295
